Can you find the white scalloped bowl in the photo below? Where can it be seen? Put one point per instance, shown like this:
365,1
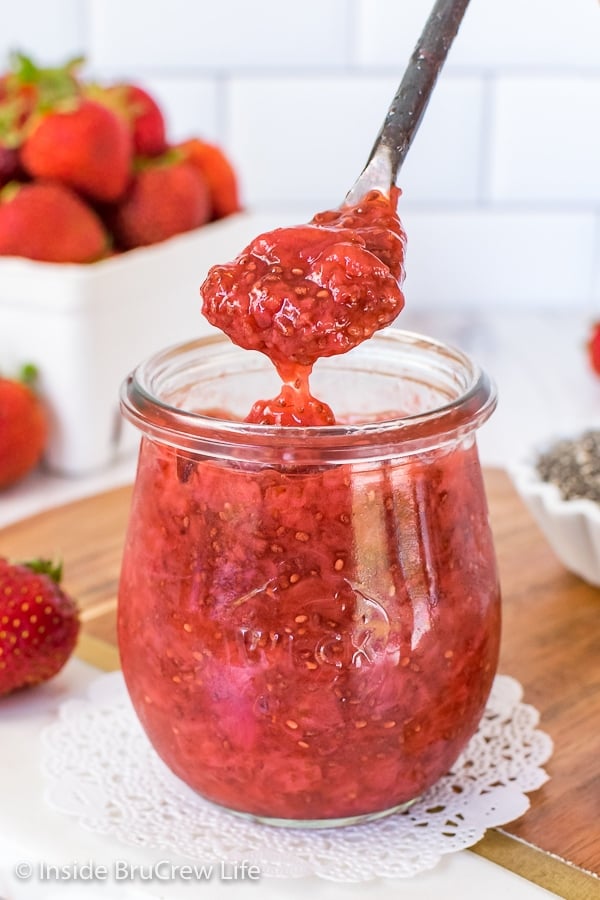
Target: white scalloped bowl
571,527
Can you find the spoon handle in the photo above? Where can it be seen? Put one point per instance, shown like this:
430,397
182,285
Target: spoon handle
410,101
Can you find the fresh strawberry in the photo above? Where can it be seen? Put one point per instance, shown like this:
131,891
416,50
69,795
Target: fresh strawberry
23,427
141,112
39,624
83,144
18,99
593,347
218,172
15,107
48,221
149,131
9,165
24,90
167,197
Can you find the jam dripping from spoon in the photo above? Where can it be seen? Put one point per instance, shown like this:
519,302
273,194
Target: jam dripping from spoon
299,294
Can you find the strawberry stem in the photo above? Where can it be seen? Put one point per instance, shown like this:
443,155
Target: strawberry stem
45,567
10,191
12,111
169,157
53,85
28,374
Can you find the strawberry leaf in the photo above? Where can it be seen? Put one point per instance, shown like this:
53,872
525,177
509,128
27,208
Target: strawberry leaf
169,158
54,85
10,191
29,374
46,567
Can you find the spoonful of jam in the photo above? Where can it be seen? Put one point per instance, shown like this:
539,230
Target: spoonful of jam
320,289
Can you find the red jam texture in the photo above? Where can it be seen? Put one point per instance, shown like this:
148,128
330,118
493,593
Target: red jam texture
297,294
294,406
309,645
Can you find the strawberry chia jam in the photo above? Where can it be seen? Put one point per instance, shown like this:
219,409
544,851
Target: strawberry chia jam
309,616
300,294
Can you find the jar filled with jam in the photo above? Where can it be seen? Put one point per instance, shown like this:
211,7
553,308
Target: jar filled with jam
309,617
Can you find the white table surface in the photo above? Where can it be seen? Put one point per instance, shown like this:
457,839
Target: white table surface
545,388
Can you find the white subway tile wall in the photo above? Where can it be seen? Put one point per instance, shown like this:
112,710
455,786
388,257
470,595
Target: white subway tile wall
501,190
596,276
495,34
546,139
48,32
520,258
223,35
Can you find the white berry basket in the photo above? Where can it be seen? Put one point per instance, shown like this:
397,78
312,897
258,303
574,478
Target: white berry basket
571,527
86,326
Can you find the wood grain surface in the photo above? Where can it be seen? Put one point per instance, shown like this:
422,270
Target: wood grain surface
551,644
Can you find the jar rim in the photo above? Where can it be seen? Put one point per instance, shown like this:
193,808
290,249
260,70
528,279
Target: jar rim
198,432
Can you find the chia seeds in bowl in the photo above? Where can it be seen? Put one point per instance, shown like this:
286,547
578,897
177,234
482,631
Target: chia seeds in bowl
573,465
560,485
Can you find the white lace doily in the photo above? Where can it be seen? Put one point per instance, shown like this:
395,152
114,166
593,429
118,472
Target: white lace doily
102,769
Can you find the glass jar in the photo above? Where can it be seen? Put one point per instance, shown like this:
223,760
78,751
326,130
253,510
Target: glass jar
309,617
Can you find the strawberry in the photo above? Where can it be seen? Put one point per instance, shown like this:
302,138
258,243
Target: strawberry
593,348
23,427
24,89
9,165
141,112
15,106
167,197
149,131
218,172
48,221
39,624
19,96
83,144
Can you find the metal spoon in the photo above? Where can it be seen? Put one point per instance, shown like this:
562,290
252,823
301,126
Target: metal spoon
410,101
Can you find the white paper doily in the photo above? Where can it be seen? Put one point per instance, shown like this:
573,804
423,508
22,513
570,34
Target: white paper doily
102,769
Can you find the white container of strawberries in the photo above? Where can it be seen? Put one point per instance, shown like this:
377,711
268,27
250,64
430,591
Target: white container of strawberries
106,233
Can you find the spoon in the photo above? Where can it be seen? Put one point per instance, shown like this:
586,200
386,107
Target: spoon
410,101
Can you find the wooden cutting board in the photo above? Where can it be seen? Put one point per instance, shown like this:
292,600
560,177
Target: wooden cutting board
551,644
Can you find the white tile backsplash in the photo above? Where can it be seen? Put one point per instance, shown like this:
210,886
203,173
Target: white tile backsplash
529,33
306,140
227,34
49,32
595,292
303,141
546,144
505,259
445,163
502,185
387,31
493,33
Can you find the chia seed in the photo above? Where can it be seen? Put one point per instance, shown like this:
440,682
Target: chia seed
573,465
